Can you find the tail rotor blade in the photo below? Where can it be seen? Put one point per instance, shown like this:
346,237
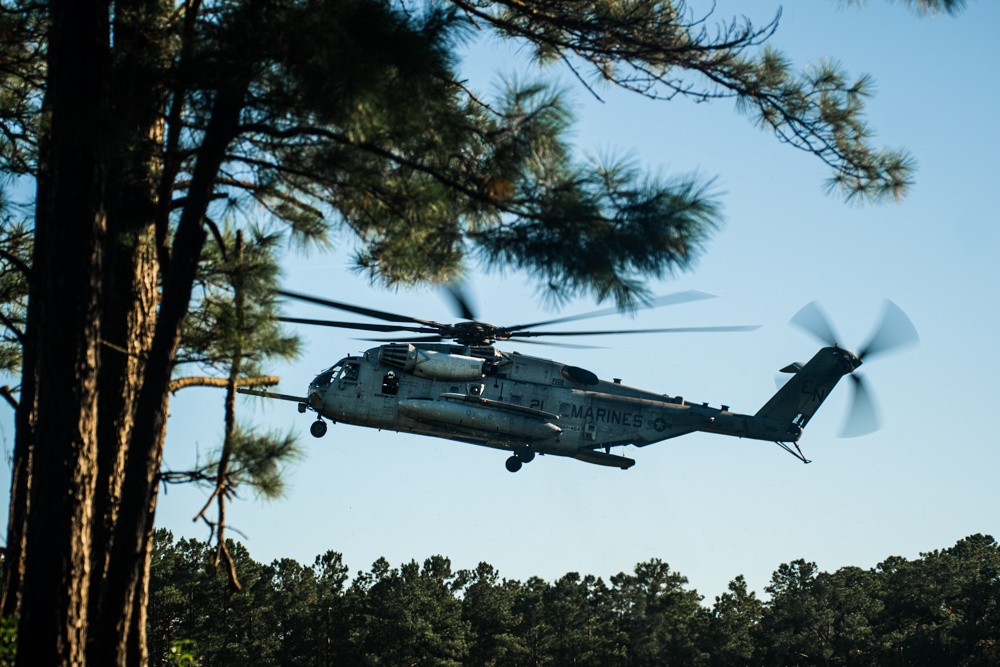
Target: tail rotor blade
814,320
863,416
895,330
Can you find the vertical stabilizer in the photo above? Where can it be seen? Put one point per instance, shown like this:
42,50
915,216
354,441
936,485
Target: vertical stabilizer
800,398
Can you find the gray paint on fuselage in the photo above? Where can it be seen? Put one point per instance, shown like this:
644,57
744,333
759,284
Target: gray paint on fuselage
590,417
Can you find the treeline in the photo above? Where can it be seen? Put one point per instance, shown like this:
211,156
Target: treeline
940,609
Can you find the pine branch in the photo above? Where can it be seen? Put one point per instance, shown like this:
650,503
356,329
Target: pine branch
204,381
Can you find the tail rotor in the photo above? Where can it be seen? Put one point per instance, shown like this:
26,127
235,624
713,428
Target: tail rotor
895,330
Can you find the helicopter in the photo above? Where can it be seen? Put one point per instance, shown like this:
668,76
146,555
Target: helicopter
450,381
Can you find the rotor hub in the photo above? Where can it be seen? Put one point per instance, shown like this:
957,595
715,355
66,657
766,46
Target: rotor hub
848,361
475,333
844,359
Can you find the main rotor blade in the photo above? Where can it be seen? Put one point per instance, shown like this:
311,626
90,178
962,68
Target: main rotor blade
895,330
526,334
666,300
814,320
863,416
356,325
360,310
569,346
438,339
460,298
424,339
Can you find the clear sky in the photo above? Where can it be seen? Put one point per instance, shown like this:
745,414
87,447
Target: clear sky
710,506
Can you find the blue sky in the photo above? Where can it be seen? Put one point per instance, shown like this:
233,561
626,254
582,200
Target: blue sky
712,507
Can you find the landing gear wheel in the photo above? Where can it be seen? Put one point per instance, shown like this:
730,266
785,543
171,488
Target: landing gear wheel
513,464
526,454
318,428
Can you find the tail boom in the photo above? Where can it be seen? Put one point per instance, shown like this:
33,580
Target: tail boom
783,418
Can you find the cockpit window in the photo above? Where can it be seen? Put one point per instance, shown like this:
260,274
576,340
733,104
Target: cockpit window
343,370
323,379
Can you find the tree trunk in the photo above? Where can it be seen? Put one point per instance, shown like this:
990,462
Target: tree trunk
128,314
66,292
132,536
104,345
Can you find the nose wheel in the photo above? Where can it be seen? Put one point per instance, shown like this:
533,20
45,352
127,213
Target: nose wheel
318,428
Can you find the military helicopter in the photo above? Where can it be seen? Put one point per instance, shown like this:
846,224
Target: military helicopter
450,381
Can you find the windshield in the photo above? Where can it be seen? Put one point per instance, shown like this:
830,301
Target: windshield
323,380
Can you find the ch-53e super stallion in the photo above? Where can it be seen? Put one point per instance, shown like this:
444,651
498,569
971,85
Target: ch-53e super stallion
469,391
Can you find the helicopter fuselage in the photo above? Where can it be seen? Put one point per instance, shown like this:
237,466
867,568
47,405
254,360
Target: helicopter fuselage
515,402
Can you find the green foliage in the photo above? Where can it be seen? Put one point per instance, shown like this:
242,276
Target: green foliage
22,52
257,461
661,49
217,330
940,609
734,616
8,641
825,617
488,609
191,601
409,615
662,619
15,260
947,604
583,629
426,173
182,654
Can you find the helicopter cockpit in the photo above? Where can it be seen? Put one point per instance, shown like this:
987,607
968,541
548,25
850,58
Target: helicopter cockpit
345,369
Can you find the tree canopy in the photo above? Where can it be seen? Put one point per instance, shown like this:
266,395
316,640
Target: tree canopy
937,609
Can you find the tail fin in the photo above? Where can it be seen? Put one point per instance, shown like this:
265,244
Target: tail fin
801,396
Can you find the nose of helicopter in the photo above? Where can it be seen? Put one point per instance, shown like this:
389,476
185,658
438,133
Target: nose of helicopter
316,397
317,390
319,385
